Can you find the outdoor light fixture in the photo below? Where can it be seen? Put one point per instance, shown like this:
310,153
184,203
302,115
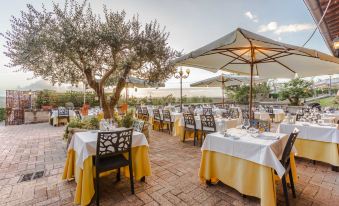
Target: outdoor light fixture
180,75
336,46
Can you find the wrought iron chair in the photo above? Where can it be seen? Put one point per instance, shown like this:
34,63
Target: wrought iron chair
190,126
167,120
63,116
234,113
78,115
207,125
138,125
109,155
207,111
270,112
145,114
157,118
285,161
139,113
226,114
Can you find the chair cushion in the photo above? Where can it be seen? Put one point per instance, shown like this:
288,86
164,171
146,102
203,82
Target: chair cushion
112,162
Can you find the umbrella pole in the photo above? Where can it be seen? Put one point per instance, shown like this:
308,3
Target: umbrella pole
251,93
223,91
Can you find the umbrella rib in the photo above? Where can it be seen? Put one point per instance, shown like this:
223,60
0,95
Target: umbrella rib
277,61
238,56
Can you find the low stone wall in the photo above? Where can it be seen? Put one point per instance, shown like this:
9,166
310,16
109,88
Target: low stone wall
36,117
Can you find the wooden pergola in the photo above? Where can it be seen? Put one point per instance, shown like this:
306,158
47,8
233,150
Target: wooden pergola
329,27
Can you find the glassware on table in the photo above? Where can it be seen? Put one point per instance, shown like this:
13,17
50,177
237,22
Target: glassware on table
246,124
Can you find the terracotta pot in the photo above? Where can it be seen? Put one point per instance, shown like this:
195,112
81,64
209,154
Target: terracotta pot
46,107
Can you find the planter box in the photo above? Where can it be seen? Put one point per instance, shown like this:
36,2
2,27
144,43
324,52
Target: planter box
36,117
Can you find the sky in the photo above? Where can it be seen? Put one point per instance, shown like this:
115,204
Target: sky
191,23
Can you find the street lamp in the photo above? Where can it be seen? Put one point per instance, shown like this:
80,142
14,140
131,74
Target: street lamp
181,75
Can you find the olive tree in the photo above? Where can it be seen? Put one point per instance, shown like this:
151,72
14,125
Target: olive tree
71,44
296,89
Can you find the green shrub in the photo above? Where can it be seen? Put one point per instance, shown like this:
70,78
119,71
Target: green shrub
2,114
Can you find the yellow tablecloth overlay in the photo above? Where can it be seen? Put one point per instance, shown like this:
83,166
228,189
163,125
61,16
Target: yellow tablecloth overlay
84,177
247,177
315,150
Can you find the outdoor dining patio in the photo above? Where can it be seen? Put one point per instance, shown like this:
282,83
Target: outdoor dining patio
174,179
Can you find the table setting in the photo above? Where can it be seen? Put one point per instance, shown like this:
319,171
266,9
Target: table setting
79,164
245,159
317,140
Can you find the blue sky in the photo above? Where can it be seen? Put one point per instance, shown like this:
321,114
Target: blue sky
192,24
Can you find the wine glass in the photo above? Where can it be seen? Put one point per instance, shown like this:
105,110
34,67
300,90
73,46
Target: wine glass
246,124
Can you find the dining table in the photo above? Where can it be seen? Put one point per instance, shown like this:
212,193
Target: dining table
316,141
79,165
220,123
279,115
247,162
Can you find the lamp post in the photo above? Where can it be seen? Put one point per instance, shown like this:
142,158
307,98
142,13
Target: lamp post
181,75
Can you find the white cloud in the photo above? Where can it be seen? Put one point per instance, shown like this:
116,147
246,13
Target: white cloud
294,28
273,26
268,27
251,16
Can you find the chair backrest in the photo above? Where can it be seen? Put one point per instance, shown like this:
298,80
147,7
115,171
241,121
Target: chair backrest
207,122
63,112
144,110
285,159
166,115
113,143
207,110
269,110
298,117
226,114
138,125
189,120
139,110
78,115
156,114
264,125
234,113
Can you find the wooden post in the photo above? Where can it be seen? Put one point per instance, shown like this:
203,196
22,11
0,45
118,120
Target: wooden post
223,90
251,94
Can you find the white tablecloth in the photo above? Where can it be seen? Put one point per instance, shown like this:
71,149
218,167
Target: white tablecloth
312,131
228,123
85,143
266,149
55,113
335,115
262,116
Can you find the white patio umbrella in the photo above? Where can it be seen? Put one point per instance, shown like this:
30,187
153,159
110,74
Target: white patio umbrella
224,80
247,53
132,82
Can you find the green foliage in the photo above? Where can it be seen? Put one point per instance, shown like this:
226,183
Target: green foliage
2,114
240,94
88,123
296,89
47,97
127,119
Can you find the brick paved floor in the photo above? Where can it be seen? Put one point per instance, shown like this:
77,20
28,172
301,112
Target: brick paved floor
174,179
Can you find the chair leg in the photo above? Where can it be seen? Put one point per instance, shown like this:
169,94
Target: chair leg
285,190
97,188
118,175
183,140
131,177
292,184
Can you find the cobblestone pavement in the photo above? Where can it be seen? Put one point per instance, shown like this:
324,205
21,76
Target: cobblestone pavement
174,179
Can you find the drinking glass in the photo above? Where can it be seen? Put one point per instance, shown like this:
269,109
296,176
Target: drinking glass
246,124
